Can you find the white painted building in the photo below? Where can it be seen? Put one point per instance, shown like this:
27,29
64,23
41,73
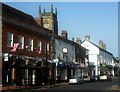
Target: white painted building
65,54
96,56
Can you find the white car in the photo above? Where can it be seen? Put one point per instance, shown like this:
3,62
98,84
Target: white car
75,80
103,77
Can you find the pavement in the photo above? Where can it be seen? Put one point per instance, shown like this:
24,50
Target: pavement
10,88
115,87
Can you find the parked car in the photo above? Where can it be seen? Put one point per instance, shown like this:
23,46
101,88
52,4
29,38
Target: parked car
75,80
105,77
86,78
109,77
94,78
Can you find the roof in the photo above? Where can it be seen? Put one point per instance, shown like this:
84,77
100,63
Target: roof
12,12
98,47
21,19
69,41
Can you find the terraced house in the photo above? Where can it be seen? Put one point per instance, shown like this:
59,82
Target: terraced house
100,60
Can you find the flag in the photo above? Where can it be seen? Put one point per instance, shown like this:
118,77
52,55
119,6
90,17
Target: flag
27,46
15,46
38,50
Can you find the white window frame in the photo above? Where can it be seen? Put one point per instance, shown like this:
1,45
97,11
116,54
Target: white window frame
21,42
48,47
30,44
9,39
39,45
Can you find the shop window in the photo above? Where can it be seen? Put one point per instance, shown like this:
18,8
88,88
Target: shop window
47,46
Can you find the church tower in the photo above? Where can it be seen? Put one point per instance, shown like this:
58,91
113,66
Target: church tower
48,19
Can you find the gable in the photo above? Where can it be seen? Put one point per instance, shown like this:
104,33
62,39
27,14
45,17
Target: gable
91,47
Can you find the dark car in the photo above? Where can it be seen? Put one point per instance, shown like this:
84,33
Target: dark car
94,78
109,77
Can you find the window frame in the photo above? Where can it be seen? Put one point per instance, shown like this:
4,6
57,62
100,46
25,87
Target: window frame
30,44
10,39
22,42
39,45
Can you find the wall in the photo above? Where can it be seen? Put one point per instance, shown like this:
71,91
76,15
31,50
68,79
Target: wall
93,51
27,34
59,45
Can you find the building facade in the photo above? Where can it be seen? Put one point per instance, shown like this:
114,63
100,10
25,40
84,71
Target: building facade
26,49
98,58
65,53
70,57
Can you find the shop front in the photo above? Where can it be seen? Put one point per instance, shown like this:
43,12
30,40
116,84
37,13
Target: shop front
23,70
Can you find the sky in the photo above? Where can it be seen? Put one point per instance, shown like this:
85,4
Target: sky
97,19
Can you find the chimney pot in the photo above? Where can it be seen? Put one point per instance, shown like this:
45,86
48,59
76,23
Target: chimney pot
87,37
64,34
78,41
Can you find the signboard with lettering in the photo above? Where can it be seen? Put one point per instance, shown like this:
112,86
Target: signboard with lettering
5,55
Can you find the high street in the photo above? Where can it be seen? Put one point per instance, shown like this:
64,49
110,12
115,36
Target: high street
86,86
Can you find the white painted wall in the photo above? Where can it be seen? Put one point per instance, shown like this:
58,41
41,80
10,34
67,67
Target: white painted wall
97,55
59,45
92,53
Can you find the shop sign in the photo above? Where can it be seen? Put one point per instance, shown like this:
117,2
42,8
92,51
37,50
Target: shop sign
54,60
5,55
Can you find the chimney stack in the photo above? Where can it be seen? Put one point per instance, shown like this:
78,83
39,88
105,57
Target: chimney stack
104,46
87,37
101,44
73,39
64,34
78,41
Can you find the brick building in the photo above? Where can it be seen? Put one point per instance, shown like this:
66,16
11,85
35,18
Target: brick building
26,49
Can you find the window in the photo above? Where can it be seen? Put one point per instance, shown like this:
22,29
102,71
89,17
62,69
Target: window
48,47
9,39
21,42
46,25
39,45
30,44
